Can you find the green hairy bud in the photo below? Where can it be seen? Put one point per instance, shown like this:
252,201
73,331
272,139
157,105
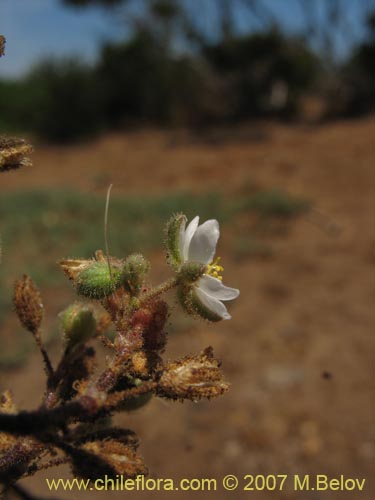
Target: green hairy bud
133,273
190,272
97,280
78,324
173,231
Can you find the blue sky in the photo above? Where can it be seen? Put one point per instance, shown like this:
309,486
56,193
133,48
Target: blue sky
36,29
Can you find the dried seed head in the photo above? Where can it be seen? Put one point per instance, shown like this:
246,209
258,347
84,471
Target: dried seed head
193,377
28,304
14,153
121,457
2,45
6,403
109,457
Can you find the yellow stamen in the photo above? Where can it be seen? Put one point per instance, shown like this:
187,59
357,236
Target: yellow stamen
214,269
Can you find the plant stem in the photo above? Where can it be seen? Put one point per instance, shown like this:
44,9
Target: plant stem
158,290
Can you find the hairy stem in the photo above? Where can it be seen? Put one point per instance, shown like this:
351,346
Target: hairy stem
156,291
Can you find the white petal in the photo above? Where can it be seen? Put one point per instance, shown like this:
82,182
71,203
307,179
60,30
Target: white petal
186,238
202,247
212,304
215,288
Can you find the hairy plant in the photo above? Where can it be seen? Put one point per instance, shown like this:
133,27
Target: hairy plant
14,152
72,423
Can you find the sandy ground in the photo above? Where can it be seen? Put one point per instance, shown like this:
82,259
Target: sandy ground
299,351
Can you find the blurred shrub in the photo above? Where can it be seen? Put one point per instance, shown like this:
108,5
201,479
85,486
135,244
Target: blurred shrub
84,3
66,105
57,100
134,80
264,73
133,83
142,81
359,76
12,106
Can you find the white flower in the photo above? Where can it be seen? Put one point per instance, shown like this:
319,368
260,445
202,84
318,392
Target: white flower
197,243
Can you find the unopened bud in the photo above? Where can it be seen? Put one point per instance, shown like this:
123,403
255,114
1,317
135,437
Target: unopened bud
93,279
193,377
28,304
133,273
78,324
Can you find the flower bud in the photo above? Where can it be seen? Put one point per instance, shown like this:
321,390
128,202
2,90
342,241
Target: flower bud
28,304
175,225
133,273
78,324
193,377
93,279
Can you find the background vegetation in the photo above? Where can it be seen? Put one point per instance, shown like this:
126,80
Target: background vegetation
172,71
